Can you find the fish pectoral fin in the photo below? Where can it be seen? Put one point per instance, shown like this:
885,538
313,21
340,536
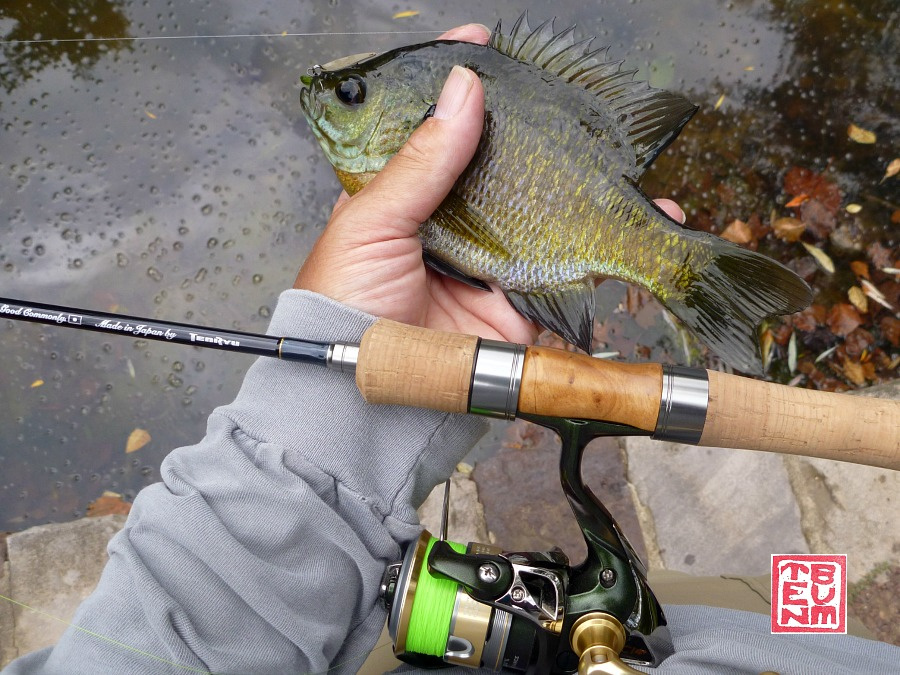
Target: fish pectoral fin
449,270
568,312
459,217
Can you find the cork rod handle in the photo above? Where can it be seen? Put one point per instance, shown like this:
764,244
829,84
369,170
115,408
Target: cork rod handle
754,415
408,365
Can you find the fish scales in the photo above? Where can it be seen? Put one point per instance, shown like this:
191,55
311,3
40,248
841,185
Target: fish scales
550,204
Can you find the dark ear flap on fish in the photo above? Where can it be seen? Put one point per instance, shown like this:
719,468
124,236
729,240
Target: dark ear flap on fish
652,118
449,270
569,313
727,300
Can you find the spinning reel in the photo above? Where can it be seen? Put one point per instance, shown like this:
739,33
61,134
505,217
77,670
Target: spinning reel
530,612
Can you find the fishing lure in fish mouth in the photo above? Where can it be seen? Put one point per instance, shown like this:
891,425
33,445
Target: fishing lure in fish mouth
550,204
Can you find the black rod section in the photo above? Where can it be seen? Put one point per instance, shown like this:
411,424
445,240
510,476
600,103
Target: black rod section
289,349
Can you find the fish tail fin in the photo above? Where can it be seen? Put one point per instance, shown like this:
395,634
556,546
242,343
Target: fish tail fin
727,299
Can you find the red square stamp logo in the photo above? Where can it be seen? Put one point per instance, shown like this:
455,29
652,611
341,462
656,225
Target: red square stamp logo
809,593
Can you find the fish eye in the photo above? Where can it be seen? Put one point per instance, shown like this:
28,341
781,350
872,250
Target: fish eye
351,91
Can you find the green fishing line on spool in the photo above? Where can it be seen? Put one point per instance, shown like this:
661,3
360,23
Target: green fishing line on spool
432,610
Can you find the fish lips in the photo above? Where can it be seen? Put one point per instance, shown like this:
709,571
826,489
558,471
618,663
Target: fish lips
309,100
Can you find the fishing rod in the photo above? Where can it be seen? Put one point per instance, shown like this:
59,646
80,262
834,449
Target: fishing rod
398,364
477,605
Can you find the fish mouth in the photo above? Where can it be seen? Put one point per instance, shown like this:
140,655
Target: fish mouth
309,99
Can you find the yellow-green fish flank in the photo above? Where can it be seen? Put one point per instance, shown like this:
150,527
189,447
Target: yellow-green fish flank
550,205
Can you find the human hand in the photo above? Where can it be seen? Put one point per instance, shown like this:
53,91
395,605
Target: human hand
370,257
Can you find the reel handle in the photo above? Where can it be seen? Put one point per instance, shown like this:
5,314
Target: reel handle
406,365
597,639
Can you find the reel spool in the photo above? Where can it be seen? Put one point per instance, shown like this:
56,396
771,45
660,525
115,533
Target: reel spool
434,622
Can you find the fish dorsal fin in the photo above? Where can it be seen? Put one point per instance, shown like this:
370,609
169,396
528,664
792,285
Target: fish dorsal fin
651,117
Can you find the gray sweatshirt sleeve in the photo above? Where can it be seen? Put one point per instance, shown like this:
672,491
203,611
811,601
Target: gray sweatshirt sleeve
262,549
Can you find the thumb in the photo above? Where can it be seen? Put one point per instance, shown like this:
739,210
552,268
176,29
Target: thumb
417,179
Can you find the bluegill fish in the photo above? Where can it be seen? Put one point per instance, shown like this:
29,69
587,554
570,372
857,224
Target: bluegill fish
550,205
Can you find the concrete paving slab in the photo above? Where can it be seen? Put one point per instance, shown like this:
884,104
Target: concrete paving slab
53,568
714,510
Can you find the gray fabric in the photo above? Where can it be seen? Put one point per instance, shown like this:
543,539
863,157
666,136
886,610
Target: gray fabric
262,549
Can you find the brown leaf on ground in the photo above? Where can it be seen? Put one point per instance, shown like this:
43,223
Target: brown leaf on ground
788,229
810,318
738,232
858,298
853,371
137,439
880,255
890,329
860,135
857,342
782,333
860,269
797,201
107,504
843,319
819,219
799,181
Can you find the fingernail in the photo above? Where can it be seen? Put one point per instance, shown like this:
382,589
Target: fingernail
453,95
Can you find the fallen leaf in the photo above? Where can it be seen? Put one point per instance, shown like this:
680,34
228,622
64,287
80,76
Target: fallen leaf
891,270
853,208
788,229
820,256
405,15
719,102
738,232
799,181
843,319
857,342
853,371
858,298
890,329
749,69
150,115
797,201
860,135
860,269
824,355
137,439
768,341
870,290
36,383
810,318
892,169
107,504
792,352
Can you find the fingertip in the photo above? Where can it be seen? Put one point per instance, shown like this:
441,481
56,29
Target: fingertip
473,32
672,210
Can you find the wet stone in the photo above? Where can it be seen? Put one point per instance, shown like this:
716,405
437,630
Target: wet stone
715,510
524,504
46,575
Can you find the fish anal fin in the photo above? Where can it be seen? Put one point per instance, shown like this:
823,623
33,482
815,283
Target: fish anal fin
568,312
449,270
